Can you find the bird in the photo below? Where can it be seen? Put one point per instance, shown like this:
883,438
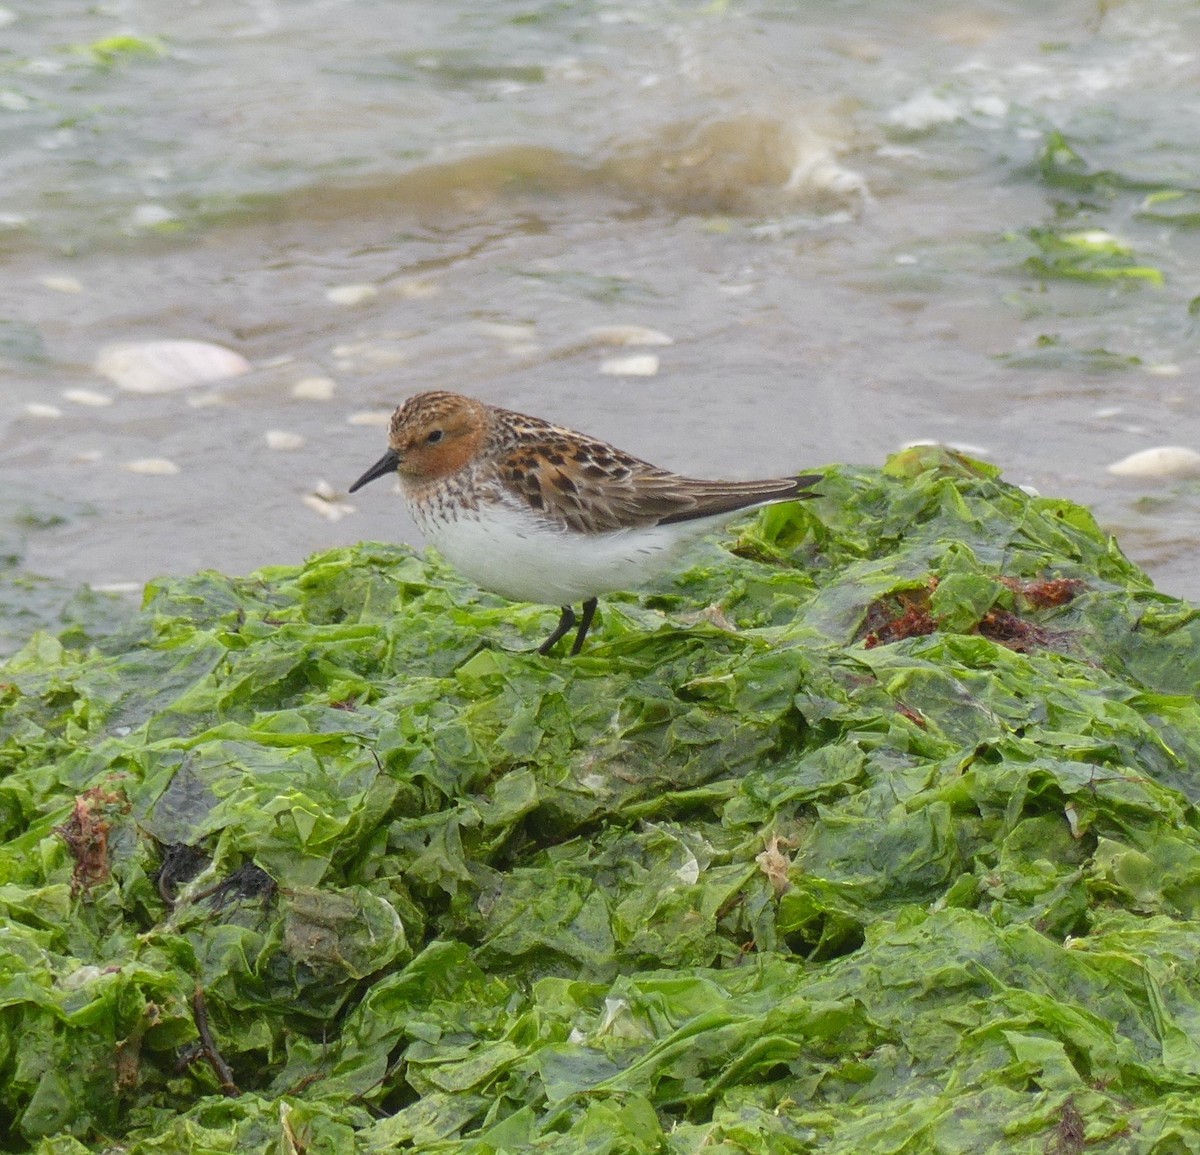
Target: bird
537,512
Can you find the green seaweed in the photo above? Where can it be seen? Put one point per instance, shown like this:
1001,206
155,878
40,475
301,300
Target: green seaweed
1086,255
871,829
110,51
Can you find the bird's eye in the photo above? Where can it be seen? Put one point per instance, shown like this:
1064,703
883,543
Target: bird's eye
434,437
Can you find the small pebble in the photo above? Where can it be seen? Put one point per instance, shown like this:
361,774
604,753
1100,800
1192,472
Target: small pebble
88,456
351,294
1161,461
1166,370
87,397
61,284
639,365
370,417
152,466
37,409
628,335
279,439
314,389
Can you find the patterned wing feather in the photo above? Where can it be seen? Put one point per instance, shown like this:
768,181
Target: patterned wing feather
589,486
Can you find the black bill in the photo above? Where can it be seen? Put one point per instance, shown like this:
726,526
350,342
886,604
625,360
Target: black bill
386,464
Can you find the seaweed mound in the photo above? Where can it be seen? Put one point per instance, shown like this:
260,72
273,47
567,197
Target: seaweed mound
874,830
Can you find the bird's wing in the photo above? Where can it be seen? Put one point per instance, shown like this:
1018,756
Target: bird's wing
588,486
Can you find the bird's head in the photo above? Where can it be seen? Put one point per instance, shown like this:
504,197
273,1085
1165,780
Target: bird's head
432,435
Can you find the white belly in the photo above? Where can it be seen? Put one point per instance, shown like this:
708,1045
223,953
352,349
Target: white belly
518,557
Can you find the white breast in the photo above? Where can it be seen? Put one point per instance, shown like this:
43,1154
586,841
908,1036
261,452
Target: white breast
512,553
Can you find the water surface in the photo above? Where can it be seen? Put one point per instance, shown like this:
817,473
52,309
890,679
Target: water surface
829,209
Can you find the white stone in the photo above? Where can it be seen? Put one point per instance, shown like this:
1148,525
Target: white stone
152,466
314,389
1160,461
351,294
88,397
164,366
38,409
281,439
61,284
639,365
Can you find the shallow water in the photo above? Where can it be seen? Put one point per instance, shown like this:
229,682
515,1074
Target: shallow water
827,208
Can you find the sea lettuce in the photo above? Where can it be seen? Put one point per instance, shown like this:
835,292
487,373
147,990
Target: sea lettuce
872,828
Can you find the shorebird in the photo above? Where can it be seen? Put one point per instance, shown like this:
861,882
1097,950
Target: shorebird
539,513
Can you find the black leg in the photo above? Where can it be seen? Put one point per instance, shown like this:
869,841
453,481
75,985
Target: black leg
564,624
589,612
